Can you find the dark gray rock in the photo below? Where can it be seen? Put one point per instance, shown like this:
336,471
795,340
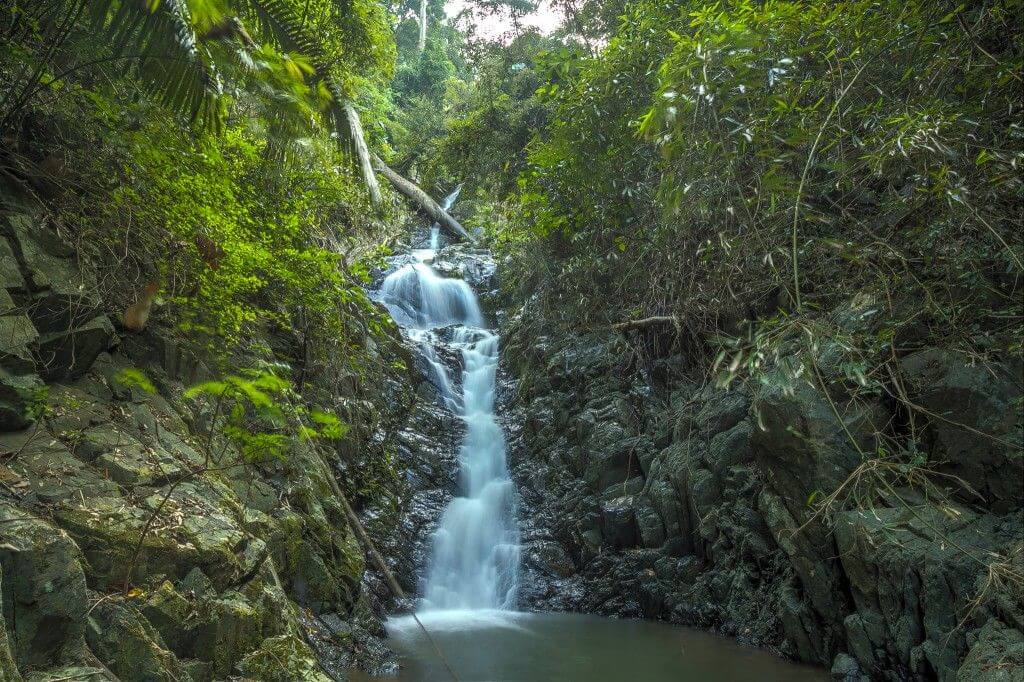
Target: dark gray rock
846,669
618,522
69,353
44,595
129,646
997,655
22,399
975,423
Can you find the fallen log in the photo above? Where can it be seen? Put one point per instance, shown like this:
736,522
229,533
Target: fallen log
423,200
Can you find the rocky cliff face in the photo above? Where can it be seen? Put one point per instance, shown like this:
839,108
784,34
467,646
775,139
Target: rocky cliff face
711,508
131,550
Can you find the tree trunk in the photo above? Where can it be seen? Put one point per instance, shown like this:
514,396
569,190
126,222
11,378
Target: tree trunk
422,44
423,200
359,143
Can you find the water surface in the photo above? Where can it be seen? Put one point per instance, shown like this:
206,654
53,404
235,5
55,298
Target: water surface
505,646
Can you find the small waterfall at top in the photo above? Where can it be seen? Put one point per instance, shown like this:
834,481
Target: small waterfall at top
475,552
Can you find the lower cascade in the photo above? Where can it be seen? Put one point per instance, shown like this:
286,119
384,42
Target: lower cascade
475,549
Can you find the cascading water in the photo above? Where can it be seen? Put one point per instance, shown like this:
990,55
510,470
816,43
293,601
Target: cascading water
475,551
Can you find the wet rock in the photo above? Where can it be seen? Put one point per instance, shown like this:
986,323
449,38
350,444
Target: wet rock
551,558
618,522
652,530
44,594
845,669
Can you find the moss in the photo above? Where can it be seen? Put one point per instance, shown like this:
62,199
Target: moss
283,659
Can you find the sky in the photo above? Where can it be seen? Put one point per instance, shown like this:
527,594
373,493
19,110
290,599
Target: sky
545,18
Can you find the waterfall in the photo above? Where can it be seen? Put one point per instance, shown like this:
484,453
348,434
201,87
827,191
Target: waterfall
475,549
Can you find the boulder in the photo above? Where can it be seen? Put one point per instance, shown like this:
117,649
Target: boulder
70,352
803,446
55,475
8,668
913,572
44,594
10,272
649,524
17,334
975,422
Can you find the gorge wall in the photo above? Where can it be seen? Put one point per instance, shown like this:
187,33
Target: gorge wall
669,498
136,542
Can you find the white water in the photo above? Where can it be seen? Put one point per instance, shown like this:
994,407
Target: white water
475,551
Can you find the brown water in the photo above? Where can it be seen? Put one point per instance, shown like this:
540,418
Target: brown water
556,647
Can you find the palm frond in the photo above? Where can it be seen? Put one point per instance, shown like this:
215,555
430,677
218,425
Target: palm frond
172,64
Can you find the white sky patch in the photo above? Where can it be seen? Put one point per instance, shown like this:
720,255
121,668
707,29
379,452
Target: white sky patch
545,19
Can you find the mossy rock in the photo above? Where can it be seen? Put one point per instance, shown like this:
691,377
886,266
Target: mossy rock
44,594
127,644
55,475
283,659
22,399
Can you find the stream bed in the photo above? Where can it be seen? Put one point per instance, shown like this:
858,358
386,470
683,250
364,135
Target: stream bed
509,646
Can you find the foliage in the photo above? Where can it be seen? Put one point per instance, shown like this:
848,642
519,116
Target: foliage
731,161
261,417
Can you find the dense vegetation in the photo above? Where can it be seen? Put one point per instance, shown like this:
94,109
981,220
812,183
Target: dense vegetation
754,192
734,174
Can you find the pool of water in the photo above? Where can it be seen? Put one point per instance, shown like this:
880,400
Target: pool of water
504,646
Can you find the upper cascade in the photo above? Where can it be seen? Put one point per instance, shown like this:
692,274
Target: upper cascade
418,297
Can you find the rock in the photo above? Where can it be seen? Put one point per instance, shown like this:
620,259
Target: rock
70,352
55,475
283,659
912,582
22,399
44,594
72,673
845,669
975,423
70,411
8,668
997,656
551,558
805,449
185,625
10,272
128,645
652,530
618,522
17,333
731,448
